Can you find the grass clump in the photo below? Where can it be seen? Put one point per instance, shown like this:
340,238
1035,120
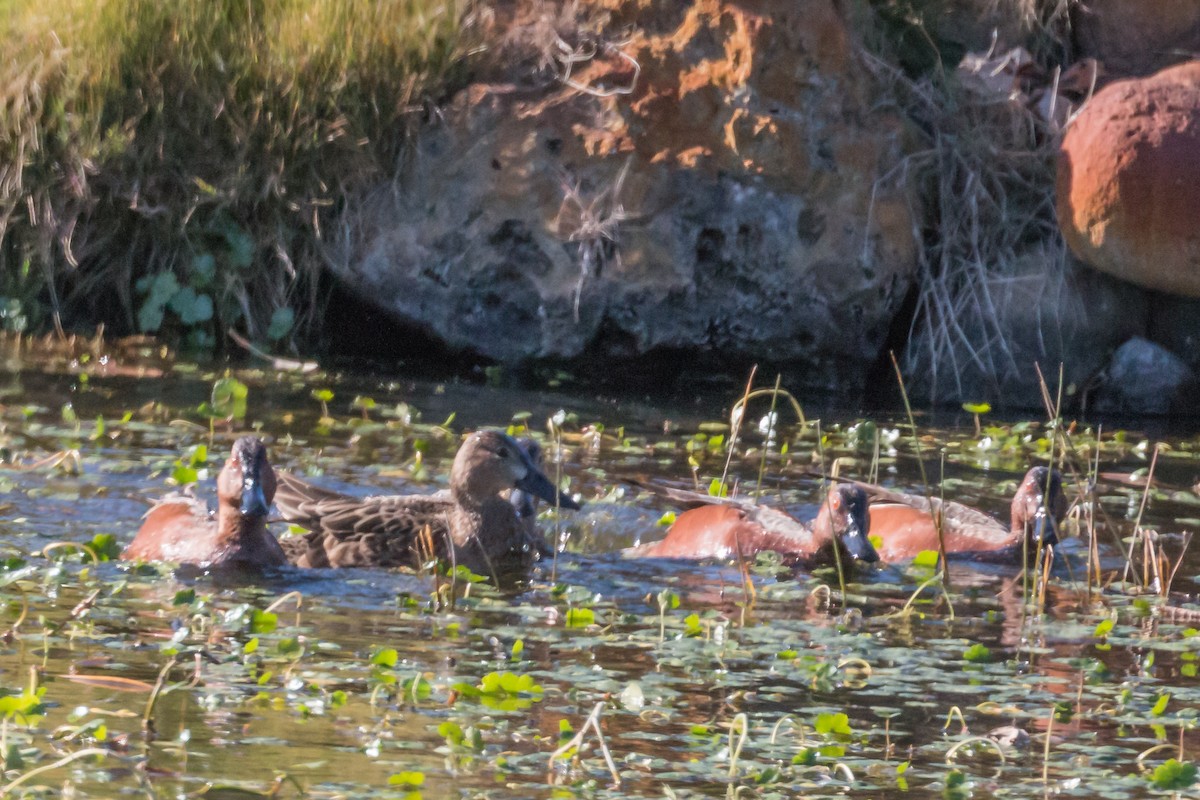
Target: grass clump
993,280
169,166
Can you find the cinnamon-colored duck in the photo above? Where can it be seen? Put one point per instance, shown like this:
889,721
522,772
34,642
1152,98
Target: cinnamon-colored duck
474,524
181,528
903,525
722,528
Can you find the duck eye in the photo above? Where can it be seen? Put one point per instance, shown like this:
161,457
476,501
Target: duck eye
502,452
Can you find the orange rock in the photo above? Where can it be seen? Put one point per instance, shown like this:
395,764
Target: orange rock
1129,181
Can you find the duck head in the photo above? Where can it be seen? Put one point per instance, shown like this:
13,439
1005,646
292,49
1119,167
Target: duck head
843,519
247,481
1038,507
490,462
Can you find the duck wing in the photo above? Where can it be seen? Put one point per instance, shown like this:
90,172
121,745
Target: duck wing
954,513
349,531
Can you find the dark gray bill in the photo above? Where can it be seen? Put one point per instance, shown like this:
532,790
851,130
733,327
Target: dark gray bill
538,485
1044,530
254,502
858,545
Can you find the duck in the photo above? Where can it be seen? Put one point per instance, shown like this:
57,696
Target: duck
722,528
477,524
903,525
181,529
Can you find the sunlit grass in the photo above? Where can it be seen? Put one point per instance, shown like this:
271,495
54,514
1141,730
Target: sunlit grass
210,140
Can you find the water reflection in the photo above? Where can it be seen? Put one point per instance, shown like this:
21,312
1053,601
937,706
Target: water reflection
309,690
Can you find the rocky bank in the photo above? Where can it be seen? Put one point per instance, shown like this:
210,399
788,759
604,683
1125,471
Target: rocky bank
722,183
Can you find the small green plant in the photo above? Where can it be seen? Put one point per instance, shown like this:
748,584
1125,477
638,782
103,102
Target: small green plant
1173,775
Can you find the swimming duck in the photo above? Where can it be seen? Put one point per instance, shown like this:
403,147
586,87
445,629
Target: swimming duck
726,527
180,528
473,525
904,526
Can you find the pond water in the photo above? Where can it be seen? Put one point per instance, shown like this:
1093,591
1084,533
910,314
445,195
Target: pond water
124,680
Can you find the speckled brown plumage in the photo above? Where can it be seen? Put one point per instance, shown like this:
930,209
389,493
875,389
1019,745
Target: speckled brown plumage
474,524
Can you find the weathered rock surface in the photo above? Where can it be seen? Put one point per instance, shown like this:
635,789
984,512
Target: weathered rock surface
1175,324
1144,378
1129,181
723,181
1136,38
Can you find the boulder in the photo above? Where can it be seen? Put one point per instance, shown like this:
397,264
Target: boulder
1144,378
1136,38
1129,181
722,180
1175,324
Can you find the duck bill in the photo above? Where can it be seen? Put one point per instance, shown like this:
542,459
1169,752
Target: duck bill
538,485
1043,531
855,540
254,502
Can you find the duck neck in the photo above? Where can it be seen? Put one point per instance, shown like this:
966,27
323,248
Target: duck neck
242,537
489,524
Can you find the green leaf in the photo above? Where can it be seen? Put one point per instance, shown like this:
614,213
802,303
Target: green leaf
409,779
263,621
387,657
717,489
977,654
229,398
282,320
805,758
837,723
1103,628
324,395
105,546
191,307
452,732
182,476
666,519
289,647
1173,774
977,408
580,617
926,558
184,597
204,269
1160,705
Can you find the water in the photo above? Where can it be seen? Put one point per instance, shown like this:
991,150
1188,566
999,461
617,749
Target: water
678,656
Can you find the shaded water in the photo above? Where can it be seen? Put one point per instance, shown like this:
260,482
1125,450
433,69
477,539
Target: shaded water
314,697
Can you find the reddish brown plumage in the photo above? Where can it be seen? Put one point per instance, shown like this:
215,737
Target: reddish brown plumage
727,528
180,529
905,526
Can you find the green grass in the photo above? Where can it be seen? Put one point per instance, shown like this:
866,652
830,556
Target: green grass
169,166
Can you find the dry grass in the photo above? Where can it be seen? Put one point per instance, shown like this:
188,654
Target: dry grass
986,173
208,140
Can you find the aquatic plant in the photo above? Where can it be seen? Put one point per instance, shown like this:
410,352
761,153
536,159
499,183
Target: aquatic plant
172,168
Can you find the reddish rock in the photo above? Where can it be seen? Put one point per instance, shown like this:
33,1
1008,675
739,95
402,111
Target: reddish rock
1129,181
1136,37
717,177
